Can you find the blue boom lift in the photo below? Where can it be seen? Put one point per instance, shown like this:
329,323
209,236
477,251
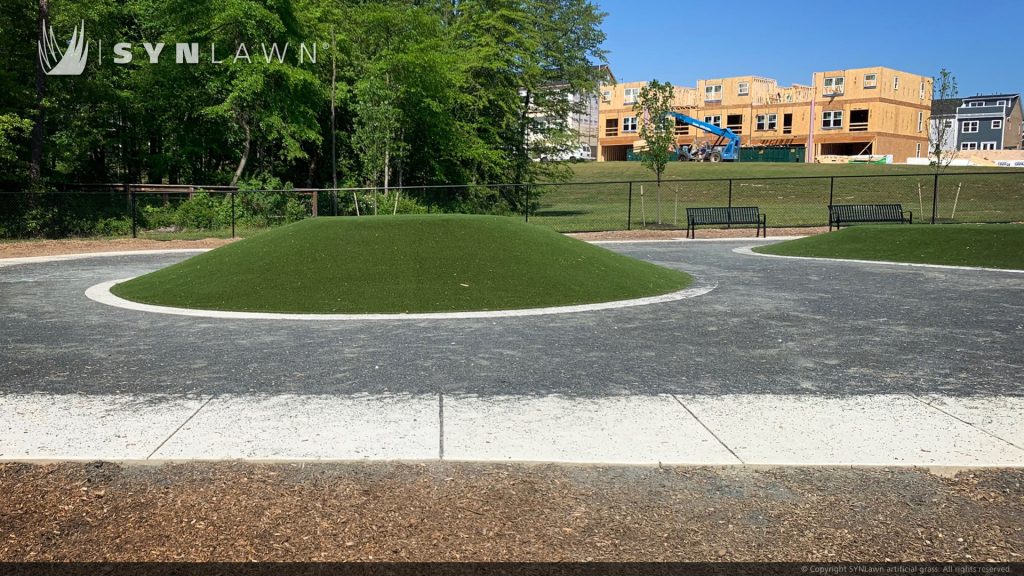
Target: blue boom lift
726,147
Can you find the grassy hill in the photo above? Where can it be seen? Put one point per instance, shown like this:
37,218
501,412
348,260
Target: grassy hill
398,264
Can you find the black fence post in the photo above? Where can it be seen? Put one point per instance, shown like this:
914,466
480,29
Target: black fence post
831,189
232,213
935,198
629,208
526,205
729,226
135,222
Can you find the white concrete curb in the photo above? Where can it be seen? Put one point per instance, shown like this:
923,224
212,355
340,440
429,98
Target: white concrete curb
748,429
62,257
101,293
747,250
688,240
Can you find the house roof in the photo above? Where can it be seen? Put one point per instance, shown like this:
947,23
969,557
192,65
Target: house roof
1013,101
608,78
990,97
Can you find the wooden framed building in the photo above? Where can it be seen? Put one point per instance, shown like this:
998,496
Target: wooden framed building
876,111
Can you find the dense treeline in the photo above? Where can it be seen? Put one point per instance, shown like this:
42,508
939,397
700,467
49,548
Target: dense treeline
427,92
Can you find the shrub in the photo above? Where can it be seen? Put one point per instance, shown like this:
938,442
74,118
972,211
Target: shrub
200,212
152,217
121,226
385,203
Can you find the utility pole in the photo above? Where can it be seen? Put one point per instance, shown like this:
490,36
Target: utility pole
35,167
334,130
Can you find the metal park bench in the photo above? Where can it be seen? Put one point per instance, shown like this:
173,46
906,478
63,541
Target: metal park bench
839,214
725,215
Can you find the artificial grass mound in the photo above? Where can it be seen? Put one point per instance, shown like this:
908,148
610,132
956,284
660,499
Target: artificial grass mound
402,264
983,245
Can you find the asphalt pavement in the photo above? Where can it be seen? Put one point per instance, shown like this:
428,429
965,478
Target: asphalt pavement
772,326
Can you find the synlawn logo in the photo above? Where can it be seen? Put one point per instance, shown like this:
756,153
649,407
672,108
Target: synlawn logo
71,62
57,62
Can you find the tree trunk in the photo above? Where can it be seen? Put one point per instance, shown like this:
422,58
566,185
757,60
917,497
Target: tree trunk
387,168
35,169
659,196
334,125
245,152
398,161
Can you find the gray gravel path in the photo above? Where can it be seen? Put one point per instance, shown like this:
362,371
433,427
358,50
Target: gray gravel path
772,326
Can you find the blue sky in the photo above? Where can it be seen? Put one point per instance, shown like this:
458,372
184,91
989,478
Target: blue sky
980,42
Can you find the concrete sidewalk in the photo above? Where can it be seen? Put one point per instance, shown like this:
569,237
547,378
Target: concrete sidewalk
751,429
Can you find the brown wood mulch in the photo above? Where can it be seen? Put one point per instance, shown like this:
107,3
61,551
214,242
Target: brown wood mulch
489,512
83,246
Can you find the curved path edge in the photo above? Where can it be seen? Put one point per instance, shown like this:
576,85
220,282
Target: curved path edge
101,293
748,250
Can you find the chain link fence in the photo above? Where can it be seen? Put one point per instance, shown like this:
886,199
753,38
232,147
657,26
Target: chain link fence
159,211
964,197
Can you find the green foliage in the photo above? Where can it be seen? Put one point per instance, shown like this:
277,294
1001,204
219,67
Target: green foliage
12,128
426,94
153,217
376,127
387,203
119,226
201,211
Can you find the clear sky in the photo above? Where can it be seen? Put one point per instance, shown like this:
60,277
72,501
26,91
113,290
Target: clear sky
981,42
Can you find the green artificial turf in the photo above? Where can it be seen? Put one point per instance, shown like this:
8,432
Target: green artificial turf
985,245
398,264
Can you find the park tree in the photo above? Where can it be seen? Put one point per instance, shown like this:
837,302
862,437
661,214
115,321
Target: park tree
377,125
657,129
524,58
466,92
945,92
270,105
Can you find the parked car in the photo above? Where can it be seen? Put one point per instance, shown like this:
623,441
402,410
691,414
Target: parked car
583,153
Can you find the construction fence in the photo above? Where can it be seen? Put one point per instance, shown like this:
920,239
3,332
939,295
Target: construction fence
158,211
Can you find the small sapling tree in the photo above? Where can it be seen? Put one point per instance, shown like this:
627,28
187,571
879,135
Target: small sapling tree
657,129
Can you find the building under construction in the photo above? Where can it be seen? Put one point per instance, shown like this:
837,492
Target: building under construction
864,112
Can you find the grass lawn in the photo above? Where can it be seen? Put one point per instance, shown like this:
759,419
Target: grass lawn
782,191
397,264
987,245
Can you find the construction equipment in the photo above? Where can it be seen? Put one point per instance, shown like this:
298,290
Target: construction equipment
726,146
